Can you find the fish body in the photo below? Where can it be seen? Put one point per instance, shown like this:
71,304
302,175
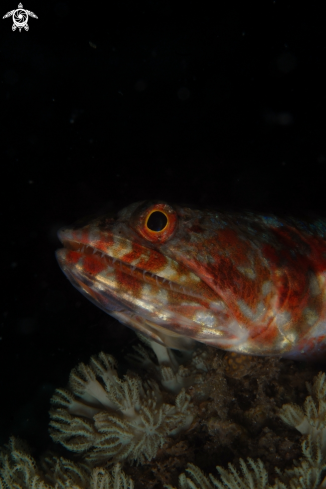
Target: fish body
242,282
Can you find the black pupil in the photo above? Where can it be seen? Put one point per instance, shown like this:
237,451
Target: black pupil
157,221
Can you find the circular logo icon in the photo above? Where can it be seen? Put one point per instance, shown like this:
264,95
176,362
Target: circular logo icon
20,18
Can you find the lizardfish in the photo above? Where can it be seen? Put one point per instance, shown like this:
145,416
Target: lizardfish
242,282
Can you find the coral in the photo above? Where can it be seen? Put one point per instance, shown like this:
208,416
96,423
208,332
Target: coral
109,419
230,416
312,418
18,469
170,372
305,475
310,421
254,477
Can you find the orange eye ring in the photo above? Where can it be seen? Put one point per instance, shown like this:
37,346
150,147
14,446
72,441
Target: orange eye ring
155,222
152,216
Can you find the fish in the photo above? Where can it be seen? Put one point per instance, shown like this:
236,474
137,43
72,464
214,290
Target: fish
240,281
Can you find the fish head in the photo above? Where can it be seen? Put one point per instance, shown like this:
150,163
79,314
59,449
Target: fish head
165,271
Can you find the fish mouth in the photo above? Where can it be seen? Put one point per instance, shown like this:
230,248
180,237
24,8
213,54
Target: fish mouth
109,298
72,244
167,312
116,263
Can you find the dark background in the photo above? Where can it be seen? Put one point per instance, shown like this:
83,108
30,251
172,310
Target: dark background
218,104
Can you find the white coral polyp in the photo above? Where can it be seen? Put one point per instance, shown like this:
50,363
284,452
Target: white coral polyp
172,375
18,469
311,420
109,419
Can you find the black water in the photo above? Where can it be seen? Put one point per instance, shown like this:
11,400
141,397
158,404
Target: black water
105,105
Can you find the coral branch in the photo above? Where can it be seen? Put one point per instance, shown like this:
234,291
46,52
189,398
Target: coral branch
18,469
109,419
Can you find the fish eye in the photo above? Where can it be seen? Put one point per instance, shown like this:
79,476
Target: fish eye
157,221
154,221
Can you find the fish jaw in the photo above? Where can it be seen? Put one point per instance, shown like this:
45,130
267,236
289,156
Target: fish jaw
243,282
142,288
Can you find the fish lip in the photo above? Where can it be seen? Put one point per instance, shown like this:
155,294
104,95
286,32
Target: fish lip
72,244
69,242
119,309
64,234
59,257
60,235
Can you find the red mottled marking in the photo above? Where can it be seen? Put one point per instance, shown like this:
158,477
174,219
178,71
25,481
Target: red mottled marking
292,249
232,280
175,299
93,264
282,284
84,238
313,345
298,294
318,253
308,346
72,257
105,241
265,335
271,255
128,282
135,253
222,280
237,248
291,280
229,277
154,262
297,266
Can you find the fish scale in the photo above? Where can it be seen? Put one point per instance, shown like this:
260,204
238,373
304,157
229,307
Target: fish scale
242,282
